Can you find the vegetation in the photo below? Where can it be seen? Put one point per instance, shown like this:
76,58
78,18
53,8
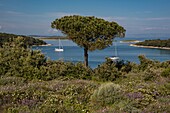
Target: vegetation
31,83
91,33
155,43
28,41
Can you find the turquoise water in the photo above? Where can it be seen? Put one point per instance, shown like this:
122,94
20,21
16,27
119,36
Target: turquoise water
74,53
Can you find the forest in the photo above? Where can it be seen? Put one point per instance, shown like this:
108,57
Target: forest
28,41
155,43
31,83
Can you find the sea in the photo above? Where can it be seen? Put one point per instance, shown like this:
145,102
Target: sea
74,53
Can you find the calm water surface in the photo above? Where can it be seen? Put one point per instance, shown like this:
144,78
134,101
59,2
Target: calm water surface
74,53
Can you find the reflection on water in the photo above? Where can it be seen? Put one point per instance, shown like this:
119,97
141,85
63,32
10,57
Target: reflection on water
59,55
165,52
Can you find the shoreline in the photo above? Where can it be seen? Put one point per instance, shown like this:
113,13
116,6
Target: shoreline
43,45
152,47
53,38
130,41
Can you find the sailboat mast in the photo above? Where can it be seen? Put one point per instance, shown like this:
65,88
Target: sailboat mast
115,49
60,47
59,44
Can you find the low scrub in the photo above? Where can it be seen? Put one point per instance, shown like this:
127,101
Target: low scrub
31,83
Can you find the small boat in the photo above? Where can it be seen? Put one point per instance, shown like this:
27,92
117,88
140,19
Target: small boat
115,58
60,47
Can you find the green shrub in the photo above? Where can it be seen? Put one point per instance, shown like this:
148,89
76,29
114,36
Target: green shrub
143,96
166,73
16,60
151,74
144,62
12,81
107,72
127,67
20,109
161,106
165,64
106,94
77,70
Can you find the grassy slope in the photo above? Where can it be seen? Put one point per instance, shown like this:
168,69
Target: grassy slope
138,92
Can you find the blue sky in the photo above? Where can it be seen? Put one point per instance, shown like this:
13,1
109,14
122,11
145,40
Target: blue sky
34,17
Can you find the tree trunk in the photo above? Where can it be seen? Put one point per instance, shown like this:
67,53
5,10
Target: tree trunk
86,57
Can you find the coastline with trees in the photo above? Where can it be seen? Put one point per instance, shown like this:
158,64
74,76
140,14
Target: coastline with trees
84,56
28,41
157,44
29,82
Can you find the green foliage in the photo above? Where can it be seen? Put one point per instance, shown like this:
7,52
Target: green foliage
89,32
159,107
77,70
107,94
16,60
106,71
155,43
151,74
144,62
28,41
12,81
166,73
40,96
30,83
110,71
148,96
126,67
139,91
165,64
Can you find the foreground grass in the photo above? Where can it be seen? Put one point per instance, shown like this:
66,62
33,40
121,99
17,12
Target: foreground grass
19,95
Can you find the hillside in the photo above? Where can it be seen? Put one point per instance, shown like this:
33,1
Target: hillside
31,83
28,41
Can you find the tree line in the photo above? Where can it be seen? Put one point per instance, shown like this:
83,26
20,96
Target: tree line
28,41
155,43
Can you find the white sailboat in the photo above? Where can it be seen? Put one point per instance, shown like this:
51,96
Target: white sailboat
115,58
60,47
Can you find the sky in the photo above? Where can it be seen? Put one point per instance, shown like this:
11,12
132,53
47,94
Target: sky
34,17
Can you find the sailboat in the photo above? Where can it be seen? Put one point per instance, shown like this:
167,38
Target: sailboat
60,47
115,58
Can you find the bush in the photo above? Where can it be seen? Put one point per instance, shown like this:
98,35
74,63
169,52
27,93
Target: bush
151,74
166,73
107,71
12,81
16,60
144,62
107,94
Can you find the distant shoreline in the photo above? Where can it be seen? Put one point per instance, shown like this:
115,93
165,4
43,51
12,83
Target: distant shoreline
43,45
130,41
152,47
54,38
